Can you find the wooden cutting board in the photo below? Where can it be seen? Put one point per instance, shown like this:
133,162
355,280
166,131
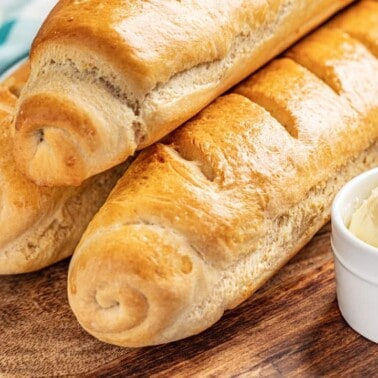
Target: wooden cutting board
291,328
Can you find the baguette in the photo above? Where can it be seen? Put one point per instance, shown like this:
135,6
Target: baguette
39,225
110,78
17,79
201,221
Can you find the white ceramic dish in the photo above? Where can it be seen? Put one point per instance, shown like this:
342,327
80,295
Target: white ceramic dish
356,263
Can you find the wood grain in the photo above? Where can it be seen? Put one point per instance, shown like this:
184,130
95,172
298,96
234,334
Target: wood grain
291,328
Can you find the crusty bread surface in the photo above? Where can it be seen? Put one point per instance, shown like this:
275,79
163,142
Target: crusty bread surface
203,219
17,79
111,77
39,225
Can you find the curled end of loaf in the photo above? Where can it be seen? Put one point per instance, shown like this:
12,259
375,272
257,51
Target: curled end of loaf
51,139
132,286
41,225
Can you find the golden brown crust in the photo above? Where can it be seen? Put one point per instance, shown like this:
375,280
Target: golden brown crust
149,34
7,102
331,54
16,81
234,193
160,76
367,31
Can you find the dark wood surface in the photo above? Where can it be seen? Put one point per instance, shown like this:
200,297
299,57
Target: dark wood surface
289,328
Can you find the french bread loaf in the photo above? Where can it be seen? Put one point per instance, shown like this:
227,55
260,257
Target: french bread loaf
39,225
17,79
203,219
109,78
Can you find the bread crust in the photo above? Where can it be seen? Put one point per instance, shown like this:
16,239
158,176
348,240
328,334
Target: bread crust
39,225
17,79
201,221
172,59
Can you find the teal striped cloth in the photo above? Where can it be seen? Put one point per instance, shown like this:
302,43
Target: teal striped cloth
19,23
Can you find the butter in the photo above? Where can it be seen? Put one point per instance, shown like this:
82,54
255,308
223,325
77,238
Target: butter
364,223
